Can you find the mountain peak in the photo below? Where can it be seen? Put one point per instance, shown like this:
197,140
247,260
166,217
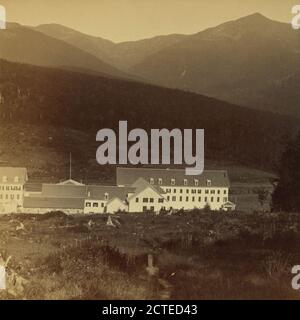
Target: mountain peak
254,18
55,27
256,15
236,29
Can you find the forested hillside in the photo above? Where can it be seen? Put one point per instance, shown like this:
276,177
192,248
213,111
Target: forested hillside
75,106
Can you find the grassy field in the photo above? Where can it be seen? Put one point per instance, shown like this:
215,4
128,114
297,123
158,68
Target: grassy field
197,255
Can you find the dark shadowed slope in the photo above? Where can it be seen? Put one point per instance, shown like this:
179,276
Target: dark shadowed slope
62,99
96,46
21,44
247,61
122,55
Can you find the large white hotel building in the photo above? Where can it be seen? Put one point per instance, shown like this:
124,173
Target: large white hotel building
136,190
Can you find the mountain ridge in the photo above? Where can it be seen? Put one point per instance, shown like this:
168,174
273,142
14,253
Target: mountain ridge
242,61
232,63
251,61
24,45
122,55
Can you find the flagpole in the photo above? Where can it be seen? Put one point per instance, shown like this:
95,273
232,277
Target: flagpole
70,165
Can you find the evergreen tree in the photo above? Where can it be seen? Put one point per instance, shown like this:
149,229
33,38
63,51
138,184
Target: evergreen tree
286,196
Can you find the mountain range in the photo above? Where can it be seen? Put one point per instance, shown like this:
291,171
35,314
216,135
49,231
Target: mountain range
123,55
25,45
252,61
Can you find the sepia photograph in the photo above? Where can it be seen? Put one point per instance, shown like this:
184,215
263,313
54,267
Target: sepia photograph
149,150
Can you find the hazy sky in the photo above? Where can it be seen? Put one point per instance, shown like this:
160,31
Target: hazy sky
121,20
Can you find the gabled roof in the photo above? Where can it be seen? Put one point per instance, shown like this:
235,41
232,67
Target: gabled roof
69,196
141,184
229,204
53,203
98,192
56,196
113,199
71,182
127,176
8,175
33,187
63,191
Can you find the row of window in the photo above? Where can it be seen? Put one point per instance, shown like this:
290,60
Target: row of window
185,182
94,204
150,200
194,191
13,188
160,200
7,196
5,179
145,208
199,199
